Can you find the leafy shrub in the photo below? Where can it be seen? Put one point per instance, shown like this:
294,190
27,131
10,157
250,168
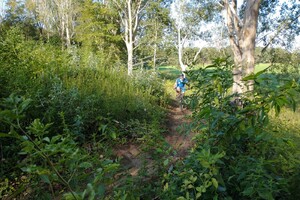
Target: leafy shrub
255,162
59,82
72,103
55,163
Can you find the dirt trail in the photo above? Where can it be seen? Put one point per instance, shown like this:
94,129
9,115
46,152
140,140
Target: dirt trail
131,155
180,142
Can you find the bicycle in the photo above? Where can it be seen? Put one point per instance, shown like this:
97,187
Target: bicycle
180,100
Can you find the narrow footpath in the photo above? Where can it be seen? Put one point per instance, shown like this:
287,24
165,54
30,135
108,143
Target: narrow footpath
133,158
176,136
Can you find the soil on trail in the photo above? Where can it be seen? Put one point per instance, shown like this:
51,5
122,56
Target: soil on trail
180,141
133,158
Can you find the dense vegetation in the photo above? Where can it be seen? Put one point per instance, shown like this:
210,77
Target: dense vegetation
240,152
59,114
67,104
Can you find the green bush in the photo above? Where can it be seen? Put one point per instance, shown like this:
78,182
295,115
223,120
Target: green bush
53,163
73,102
243,153
59,82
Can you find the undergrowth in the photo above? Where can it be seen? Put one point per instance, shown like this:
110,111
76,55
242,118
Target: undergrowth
62,113
61,116
238,153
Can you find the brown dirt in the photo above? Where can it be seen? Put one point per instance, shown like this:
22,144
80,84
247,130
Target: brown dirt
180,142
131,155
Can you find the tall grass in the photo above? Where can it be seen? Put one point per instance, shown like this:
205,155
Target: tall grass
84,90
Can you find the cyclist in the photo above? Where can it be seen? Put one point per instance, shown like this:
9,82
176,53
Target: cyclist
179,85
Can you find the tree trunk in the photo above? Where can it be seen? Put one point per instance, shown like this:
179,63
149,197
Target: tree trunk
130,58
249,36
129,12
67,18
130,39
242,41
155,47
154,56
180,49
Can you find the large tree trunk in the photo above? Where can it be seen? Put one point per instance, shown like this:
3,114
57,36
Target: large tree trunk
248,37
242,41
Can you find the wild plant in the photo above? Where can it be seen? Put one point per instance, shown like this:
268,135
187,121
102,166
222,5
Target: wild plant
254,160
55,163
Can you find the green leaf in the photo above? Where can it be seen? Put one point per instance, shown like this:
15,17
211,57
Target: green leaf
101,190
24,105
254,76
266,195
38,128
7,116
248,191
193,179
260,137
215,183
199,189
159,150
205,163
111,167
46,139
85,165
113,135
2,135
69,196
237,136
45,178
166,162
166,186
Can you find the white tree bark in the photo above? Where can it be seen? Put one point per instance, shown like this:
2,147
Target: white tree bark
57,17
242,37
180,41
2,9
183,27
155,46
130,13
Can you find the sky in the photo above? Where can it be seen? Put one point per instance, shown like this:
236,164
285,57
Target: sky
2,7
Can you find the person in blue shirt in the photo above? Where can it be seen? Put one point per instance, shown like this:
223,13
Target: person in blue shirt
180,83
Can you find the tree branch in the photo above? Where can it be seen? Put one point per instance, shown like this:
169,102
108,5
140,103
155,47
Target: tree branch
282,26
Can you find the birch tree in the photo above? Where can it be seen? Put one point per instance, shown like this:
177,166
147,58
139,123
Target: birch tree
190,17
130,13
2,9
152,31
65,19
57,17
177,13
